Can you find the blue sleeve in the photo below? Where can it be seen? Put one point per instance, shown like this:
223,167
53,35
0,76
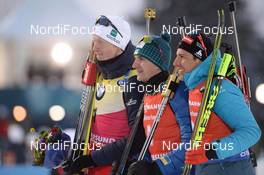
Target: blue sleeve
172,163
231,107
180,105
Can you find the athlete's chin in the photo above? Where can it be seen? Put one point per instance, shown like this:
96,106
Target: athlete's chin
141,77
102,57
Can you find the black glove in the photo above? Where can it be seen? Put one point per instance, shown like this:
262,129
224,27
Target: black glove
80,163
144,168
116,164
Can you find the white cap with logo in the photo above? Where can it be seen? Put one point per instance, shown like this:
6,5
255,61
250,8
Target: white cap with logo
113,29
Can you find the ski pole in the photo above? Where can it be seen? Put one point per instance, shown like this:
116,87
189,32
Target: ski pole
83,126
202,120
181,22
232,9
150,14
245,81
89,80
168,93
170,88
130,140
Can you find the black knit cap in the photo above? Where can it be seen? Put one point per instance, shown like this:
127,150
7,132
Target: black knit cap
197,44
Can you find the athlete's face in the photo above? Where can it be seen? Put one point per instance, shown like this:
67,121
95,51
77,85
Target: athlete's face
185,61
104,50
145,68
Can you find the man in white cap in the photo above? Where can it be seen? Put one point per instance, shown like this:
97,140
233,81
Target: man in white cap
116,108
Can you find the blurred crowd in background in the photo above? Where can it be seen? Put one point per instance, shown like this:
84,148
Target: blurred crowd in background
40,68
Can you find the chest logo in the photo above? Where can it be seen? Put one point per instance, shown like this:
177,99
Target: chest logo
100,92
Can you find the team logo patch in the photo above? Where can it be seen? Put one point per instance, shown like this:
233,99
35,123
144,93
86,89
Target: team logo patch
198,54
131,102
202,89
113,33
164,161
121,82
112,36
100,92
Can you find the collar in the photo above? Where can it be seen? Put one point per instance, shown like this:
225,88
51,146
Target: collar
199,74
119,65
155,83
